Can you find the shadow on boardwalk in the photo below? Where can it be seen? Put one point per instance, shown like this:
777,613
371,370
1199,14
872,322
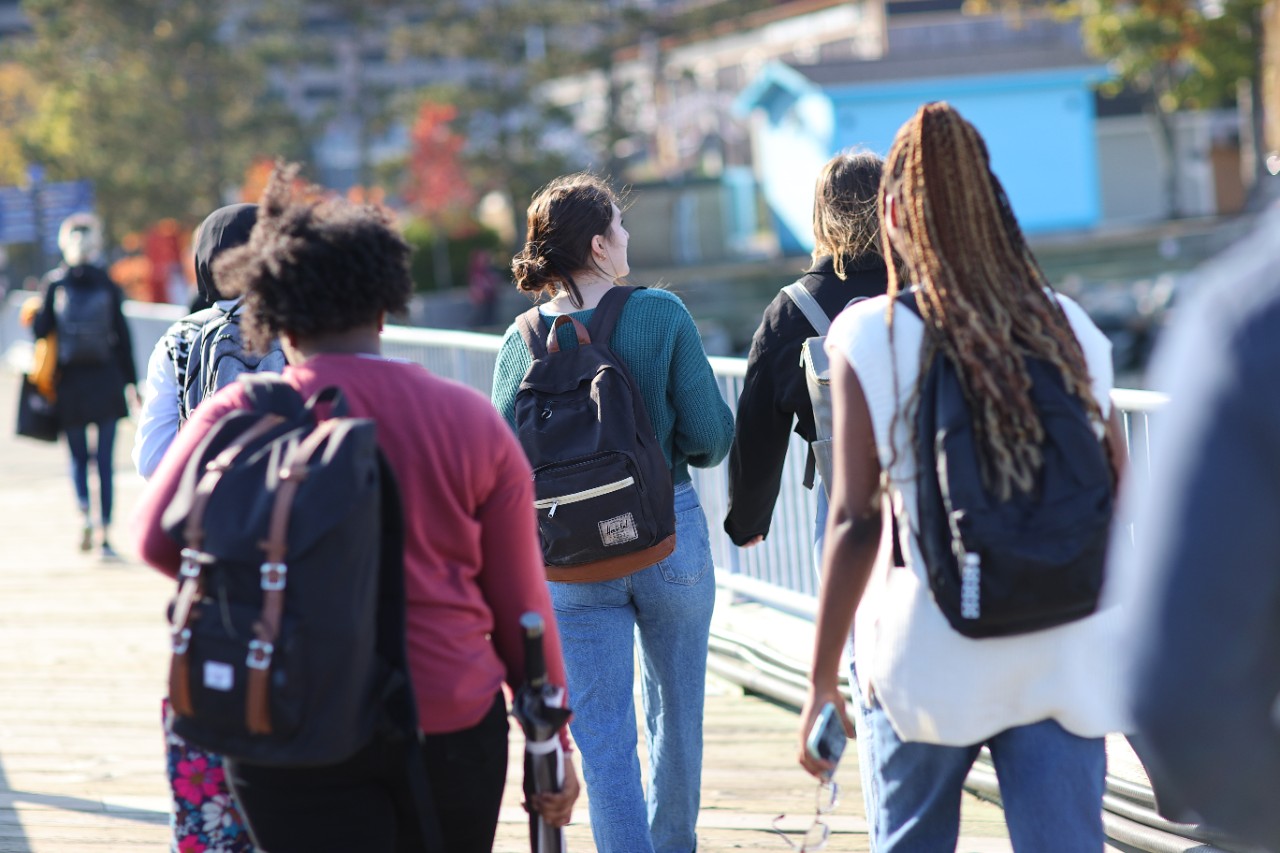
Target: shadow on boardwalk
82,674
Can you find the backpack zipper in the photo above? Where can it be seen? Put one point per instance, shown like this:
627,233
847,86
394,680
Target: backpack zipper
554,503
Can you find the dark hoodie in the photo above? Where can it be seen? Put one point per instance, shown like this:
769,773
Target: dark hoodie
225,228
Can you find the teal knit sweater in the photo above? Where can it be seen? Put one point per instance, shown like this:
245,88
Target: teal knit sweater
658,341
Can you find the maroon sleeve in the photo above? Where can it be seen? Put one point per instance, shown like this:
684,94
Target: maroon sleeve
512,577
153,544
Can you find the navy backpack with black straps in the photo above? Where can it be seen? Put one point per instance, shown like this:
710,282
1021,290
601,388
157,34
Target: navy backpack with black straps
1031,562
602,487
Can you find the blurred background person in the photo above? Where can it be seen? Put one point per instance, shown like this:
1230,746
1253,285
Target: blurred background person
1204,577
82,306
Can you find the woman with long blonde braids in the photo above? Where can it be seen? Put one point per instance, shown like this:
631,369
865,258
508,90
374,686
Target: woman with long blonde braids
1041,701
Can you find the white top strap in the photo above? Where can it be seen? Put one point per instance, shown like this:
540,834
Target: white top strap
808,306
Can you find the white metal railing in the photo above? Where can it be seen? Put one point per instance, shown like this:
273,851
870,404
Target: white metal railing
778,572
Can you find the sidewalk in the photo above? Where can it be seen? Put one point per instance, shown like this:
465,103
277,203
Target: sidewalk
82,674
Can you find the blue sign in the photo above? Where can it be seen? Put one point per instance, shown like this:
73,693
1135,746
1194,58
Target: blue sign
53,202
17,216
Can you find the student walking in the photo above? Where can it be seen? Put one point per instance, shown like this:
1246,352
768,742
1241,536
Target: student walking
1042,699
82,307
178,373
576,251
165,408
847,264
322,277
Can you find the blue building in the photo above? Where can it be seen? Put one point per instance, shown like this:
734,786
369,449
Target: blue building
1027,89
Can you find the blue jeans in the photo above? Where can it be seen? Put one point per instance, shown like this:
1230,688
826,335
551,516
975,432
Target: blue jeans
1051,785
78,444
667,607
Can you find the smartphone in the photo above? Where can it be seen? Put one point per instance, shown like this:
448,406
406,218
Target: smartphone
827,738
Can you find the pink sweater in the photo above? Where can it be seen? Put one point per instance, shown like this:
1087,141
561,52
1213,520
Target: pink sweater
473,564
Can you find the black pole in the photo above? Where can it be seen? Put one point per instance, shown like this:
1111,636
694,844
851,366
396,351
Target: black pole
535,662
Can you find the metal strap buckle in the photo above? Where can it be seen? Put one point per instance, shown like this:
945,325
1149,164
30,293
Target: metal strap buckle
181,641
273,575
192,560
259,655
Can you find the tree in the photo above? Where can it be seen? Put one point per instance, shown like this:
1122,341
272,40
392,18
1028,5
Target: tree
1177,54
20,96
148,101
437,187
1181,54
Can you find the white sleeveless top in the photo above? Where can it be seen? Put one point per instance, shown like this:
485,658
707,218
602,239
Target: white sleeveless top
936,685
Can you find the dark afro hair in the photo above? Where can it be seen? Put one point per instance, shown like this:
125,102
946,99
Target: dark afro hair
313,267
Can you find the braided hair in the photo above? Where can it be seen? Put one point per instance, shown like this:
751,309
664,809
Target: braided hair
985,301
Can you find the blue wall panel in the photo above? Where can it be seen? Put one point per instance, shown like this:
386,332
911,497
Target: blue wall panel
1039,129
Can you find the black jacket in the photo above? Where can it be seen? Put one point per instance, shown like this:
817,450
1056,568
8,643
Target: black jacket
774,394
91,393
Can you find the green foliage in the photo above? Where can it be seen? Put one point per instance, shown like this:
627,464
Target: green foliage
146,100
427,241
1184,56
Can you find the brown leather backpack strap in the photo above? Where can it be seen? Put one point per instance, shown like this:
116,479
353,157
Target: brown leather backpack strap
191,574
553,340
274,571
193,532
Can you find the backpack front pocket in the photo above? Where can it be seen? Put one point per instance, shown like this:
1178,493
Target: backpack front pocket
591,503
221,648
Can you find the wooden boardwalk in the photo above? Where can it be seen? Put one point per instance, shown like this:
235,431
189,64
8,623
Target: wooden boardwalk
82,660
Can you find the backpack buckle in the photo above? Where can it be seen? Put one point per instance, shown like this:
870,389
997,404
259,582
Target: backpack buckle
181,641
192,560
259,655
273,575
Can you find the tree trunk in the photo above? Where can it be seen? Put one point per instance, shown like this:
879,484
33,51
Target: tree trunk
1166,135
440,257
1262,123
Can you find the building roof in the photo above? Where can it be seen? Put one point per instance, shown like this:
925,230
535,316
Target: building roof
952,45
919,67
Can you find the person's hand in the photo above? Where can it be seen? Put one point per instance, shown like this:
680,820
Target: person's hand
132,398
753,541
557,809
820,770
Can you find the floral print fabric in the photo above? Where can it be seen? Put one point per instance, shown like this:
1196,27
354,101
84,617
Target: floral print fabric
203,815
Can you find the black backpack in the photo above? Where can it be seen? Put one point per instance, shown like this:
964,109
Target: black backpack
602,488
85,327
217,356
288,624
1031,562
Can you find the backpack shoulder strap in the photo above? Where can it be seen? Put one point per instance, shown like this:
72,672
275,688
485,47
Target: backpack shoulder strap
808,306
529,324
271,393
907,300
608,311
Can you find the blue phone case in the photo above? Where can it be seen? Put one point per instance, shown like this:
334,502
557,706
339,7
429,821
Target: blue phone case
826,740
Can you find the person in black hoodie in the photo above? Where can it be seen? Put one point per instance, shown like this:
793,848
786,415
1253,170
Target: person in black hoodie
847,263
82,311
170,392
